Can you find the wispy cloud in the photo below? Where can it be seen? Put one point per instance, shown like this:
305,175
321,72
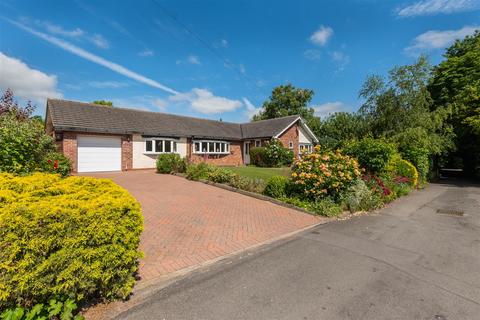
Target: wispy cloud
321,36
108,84
99,41
146,53
435,39
94,58
251,110
192,59
204,101
341,59
328,108
27,83
432,7
77,33
312,54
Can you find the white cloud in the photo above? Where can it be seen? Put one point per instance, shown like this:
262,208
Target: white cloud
146,53
341,59
108,84
435,39
192,59
160,104
27,83
251,109
321,36
94,58
325,109
312,54
99,41
205,101
54,29
77,33
242,69
431,7
224,43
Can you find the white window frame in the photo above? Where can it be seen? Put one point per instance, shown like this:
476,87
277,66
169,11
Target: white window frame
258,143
173,145
217,147
309,147
290,144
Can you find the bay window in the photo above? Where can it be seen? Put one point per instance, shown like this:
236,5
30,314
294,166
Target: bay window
160,145
211,147
305,147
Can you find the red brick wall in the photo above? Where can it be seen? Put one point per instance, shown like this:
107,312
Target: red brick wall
69,148
233,159
291,135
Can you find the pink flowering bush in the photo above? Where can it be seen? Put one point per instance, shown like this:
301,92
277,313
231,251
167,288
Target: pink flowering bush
324,173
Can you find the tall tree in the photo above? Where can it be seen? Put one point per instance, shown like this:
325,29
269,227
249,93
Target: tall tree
104,103
455,87
286,100
399,109
341,127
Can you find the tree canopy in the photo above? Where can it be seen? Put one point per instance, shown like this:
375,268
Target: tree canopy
104,103
455,89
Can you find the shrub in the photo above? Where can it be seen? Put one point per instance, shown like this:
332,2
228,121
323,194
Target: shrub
419,157
372,154
75,237
319,174
23,144
247,184
198,171
257,156
276,155
220,175
64,310
170,163
55,162
325,207
360,198
277,187
399,167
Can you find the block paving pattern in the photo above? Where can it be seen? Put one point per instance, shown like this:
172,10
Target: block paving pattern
187,223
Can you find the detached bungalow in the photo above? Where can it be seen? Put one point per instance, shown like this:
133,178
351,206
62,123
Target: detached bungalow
100,138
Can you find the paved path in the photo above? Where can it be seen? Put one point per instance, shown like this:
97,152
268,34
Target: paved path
408,262
188,223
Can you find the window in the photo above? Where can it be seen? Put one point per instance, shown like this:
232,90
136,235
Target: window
306,147
290,145
258,143
148,146
211,147
153,145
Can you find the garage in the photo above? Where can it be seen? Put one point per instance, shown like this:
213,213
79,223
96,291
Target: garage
99,153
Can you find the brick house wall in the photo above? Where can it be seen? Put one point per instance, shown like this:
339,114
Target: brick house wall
235,157
68,146
291,135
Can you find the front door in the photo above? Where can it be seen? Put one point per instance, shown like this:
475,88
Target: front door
246,152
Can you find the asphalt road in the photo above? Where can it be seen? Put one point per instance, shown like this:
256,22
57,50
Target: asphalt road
406,262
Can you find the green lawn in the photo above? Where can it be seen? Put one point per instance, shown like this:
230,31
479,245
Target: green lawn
260,173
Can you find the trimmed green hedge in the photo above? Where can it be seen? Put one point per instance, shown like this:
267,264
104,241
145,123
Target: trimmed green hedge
76,238
170,163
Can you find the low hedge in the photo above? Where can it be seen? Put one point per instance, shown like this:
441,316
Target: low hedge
277,187
257,156
399,167
75,238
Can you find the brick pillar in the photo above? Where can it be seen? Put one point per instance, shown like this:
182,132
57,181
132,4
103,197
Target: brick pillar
69,148
127,153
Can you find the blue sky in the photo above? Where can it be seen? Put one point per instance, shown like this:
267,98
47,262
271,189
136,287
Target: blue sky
217,59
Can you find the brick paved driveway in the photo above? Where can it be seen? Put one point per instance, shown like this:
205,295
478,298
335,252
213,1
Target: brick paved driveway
188,223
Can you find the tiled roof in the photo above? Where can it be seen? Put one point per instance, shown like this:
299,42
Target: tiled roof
88,117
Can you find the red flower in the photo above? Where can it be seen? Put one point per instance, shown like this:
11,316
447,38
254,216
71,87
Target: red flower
49,161
55,165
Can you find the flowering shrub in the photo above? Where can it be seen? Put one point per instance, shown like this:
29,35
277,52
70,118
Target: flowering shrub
324,173
276,155
55,162
75,238
400,168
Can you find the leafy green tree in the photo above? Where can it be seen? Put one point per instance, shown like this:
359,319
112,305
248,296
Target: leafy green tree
399,109
286,100
104,103
340,127
455,88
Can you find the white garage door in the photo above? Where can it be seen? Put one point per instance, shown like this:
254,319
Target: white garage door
99,153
